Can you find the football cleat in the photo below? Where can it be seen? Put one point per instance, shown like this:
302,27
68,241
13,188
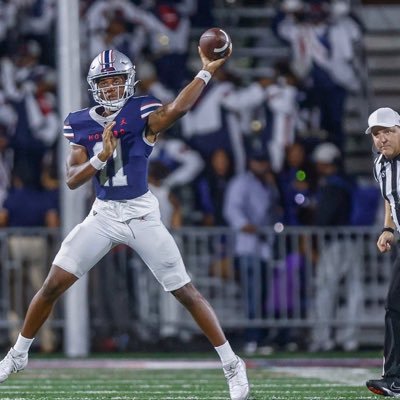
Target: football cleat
235,374
14,361
389,386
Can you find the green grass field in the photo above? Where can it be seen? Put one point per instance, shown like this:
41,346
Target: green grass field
119,383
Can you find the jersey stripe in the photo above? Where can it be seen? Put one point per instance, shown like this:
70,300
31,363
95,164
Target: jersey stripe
395,191
107,59
387,174
68,132
147,109
377,164
147,113
146,106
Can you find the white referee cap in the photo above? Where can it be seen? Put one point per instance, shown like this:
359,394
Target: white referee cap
385,117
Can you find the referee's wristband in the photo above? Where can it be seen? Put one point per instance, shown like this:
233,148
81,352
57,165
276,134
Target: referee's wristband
204,75
97,163
388,229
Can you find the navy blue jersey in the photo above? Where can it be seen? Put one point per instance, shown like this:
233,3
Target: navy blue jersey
125,175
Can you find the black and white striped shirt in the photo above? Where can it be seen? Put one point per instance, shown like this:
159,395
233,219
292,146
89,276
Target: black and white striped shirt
387,174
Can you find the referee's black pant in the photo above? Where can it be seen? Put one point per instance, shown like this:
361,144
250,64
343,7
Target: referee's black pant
391,349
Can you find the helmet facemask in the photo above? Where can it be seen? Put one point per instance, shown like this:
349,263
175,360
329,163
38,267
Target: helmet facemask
124,92
111,63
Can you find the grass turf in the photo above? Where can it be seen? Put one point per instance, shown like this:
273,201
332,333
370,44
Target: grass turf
122,384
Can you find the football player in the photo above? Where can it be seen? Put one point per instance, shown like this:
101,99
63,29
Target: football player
110,144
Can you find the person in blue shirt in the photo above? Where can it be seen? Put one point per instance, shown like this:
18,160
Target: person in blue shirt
28,206
111,144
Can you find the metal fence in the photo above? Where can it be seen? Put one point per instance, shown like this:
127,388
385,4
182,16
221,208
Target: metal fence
304,277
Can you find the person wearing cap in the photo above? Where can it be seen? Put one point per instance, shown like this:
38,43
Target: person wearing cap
338,268
384,128
334,188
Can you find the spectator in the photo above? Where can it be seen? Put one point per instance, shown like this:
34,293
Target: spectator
115,25
18,67
334,190
169,44
150,84
251,205
272,107
6,161
211,193
26,206
322,57
338,262
282,106
184,163
209,126
297,184
170,208
166,24
37,123
366,196
212,188
36,21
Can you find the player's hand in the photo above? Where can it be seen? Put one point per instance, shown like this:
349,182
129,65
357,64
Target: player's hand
109,142
385,241
212,65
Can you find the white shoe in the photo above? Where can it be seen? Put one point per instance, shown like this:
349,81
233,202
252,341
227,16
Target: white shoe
235,374
14,361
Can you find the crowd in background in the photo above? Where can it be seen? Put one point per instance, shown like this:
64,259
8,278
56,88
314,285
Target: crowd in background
246,155
201,157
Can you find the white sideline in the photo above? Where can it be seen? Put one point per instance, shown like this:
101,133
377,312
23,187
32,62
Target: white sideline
124,364
342,376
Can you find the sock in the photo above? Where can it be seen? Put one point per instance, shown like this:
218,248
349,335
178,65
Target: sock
23,344
226,353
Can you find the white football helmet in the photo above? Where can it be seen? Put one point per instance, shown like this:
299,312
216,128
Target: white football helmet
110,63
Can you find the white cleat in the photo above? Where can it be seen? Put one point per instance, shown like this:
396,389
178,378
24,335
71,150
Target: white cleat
235,374
14,361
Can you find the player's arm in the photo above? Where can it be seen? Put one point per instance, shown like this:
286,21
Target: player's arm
166,115
386,238
80,169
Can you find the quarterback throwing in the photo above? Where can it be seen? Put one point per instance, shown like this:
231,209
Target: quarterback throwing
111,144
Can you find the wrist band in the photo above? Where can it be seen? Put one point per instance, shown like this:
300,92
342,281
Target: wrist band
204,75
97,163
388,229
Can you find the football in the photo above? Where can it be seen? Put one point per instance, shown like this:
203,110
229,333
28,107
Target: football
215,43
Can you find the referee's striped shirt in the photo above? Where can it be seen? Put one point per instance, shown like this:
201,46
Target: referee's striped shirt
387,174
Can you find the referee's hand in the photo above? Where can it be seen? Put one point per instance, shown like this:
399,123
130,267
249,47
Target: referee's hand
385,241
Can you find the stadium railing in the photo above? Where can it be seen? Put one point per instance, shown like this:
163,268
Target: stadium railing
295,277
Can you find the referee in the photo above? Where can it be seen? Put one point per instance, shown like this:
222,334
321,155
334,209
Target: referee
384,126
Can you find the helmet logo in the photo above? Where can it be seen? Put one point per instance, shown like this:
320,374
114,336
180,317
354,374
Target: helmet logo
107,60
